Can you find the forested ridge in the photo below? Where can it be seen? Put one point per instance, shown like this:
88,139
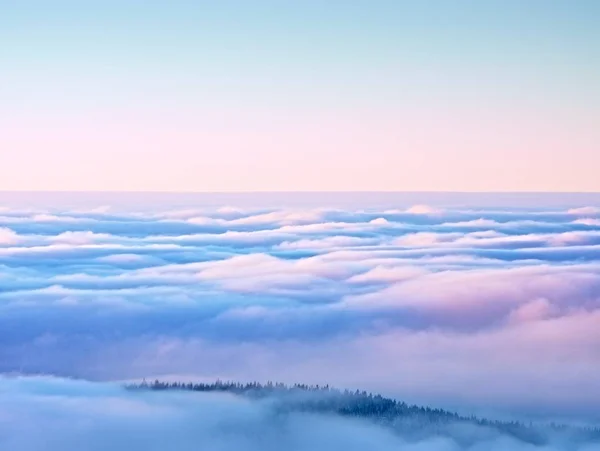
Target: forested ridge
411,421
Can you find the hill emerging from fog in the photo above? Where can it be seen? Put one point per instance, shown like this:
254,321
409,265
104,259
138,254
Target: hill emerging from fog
410,421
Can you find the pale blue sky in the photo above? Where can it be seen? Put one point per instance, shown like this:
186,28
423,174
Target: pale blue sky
306,95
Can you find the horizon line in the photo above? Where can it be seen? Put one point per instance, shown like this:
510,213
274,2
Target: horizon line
249,192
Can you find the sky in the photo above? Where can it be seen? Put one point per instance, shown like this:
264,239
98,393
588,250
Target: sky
374,95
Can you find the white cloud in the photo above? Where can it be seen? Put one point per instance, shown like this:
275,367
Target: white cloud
8,237
379,221
423,239
388,274
588,221
476,223
584,211
44,217
423,210
85,237
282,217
129,258
392,299
327,243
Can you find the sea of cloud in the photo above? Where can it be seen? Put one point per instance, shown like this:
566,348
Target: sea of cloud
52,414
469,308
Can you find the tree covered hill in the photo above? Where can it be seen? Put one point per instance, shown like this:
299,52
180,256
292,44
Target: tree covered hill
411,421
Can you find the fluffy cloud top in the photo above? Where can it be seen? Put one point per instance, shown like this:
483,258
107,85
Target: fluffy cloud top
464,308
8,237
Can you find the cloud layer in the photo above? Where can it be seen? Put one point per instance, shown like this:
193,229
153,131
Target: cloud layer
460,307
43,413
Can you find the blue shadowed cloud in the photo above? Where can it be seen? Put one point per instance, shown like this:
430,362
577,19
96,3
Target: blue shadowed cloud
378,298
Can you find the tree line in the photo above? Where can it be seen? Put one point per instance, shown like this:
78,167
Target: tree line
411,421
